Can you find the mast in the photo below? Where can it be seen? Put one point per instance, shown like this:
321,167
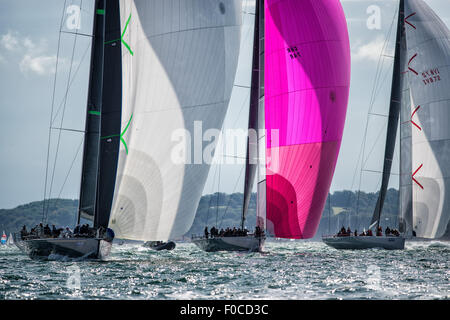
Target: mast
252,144
394,112
261,199
88,188
111,115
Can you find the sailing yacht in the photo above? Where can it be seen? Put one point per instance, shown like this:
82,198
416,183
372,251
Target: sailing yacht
299,94
157,67
420,97
10,241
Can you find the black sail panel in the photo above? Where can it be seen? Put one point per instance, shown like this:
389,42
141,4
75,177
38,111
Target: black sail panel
88,189
252,140
110,114
394,113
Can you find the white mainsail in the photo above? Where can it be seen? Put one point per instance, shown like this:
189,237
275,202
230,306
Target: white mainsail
405,182
179,60
428,66
10,240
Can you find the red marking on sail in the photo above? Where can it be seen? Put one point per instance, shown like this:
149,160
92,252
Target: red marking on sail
406,20
415,174
411,69
412,115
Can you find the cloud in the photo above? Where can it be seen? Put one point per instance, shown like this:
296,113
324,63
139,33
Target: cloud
33,56
10,41
369,51
35,59
41,65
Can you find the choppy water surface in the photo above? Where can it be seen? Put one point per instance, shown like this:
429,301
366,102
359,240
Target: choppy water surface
287,270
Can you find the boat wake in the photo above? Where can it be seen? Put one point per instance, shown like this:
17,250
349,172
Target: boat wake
439,244
428,244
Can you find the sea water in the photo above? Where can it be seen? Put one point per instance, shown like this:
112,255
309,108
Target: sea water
285,270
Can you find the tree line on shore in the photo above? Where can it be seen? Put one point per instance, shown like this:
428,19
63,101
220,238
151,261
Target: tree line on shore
224,210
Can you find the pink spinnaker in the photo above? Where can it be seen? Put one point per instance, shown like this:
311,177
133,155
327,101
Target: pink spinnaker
307,80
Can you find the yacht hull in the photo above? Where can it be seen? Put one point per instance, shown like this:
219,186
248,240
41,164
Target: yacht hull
163,246
248,243
365,242
89,248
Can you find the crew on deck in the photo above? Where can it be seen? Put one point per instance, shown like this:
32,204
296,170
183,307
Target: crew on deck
379,233
228,232
39,231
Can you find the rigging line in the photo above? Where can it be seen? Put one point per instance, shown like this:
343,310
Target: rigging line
62,118
73,80
378,171
52,109
212,195
218,195
379,114
79,34
377,76
233,156
241,86
382,83
373,146
67,129
360,156
388,35
363,162
229,200
381,61
68,173
240,110
329,212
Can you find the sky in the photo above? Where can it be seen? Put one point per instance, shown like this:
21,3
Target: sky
29,33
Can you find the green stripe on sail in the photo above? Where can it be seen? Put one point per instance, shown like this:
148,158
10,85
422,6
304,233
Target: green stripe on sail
124,144
121,37
128,124
123,33
95,113
101,11
121,135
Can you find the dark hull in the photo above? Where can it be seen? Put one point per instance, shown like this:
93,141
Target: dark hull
163,246
248,244
89,248
365,242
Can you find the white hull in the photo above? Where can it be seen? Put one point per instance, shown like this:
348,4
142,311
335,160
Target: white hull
365,242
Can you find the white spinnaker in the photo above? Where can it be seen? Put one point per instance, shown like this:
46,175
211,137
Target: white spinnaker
179,60
428,42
